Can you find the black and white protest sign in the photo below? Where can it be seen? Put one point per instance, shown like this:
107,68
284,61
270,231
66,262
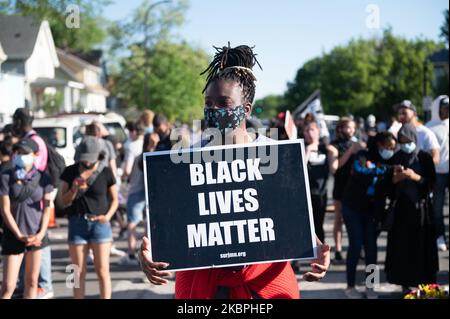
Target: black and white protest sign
229,205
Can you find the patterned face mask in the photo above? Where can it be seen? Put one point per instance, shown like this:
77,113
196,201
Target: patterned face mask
224,118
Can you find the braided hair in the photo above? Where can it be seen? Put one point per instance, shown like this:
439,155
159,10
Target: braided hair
234,64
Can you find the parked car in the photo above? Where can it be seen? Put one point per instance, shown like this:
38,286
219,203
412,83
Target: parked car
65,131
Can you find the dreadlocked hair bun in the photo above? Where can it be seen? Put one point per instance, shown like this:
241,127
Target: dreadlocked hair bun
234,64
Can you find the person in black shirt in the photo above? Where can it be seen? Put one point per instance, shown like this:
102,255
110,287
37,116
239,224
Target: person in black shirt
368,172
411,253
90,196
25,196
322,160
347,145
6,151
163,129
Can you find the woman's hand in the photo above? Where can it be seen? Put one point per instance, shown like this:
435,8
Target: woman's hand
37,240
320,265
153,270
102,219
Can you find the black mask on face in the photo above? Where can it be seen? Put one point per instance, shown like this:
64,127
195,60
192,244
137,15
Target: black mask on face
90,166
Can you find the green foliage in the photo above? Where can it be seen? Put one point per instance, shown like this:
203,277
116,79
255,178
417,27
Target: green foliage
52,103
175,86
444,27
91,30
367,76
269,106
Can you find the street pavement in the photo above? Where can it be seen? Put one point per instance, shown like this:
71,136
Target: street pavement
130,283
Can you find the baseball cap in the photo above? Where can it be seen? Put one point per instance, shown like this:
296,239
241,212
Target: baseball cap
406,104
26,144
89,149
443,102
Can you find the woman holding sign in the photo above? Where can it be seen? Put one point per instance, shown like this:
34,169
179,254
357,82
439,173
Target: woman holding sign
230,90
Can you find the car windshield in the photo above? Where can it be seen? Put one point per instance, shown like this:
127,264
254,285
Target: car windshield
117,131
54,136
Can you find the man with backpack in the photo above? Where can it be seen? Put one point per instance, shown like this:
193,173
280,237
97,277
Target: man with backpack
48,161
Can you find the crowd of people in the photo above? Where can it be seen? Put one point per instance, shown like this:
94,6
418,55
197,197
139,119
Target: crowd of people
385,179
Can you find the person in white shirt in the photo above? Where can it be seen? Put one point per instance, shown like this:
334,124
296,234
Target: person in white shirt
426,140
439,125
132,148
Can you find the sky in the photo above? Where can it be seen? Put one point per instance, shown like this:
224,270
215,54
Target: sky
287,33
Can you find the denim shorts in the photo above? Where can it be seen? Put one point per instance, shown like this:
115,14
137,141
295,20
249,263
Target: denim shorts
135,207
82,231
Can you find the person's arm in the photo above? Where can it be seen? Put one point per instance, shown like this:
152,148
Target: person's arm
321,264
128,165
5,208
68,193
114,204
435,155
152,269
113,166
45,219
333,161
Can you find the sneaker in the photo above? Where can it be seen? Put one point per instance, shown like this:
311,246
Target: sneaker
352,293
441,244
123,234
371,294
128,261
117,252
44,294
338,259
90,258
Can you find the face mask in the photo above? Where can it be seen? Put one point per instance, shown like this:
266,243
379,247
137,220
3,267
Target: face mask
408,148
224,118
386,154
90,166
149,130
23,161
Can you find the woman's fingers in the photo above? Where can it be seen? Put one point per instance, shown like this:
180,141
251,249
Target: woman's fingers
318,268
311,276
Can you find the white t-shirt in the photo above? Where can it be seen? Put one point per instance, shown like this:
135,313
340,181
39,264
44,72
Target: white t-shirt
426,140
132,150
441,131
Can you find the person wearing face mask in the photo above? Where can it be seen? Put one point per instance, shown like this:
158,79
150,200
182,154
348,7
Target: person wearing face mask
411,253
322,160
370,170
25,195
90,196
426,139
229,94
439,125
347,145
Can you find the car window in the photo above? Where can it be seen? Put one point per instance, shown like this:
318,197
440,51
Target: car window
117,131
54,136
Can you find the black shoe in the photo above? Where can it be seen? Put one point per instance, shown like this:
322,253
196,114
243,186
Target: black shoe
338,259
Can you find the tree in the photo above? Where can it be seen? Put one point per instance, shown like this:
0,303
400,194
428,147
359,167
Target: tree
444,27
269,106
305,83
367,76
176,86
91,29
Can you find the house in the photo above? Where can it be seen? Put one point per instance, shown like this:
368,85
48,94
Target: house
9,83
42,77
90,95
439,60
31,52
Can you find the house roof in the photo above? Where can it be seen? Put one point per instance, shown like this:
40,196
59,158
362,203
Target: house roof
18,36
440,56
80,63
